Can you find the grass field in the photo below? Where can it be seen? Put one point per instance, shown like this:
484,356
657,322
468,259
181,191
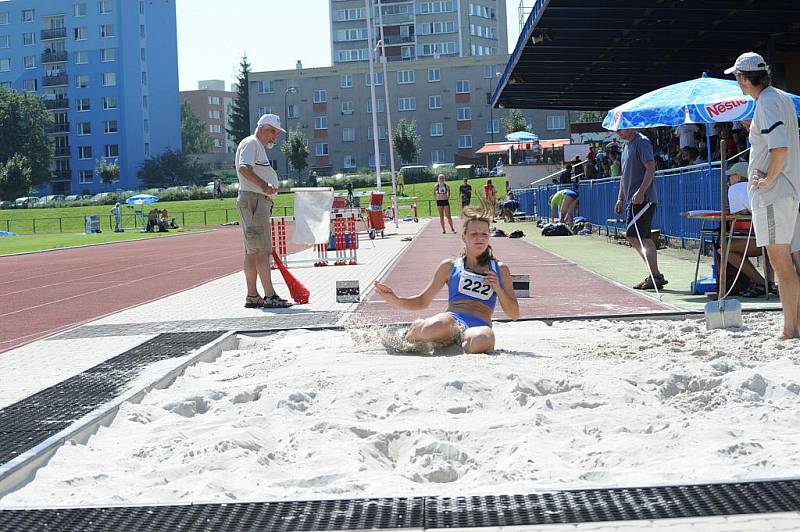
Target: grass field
28,243
200,213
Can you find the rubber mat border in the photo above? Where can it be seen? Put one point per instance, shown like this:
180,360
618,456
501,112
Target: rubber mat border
547,508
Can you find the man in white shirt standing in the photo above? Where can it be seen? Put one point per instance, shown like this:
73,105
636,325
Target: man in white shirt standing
258,184
774,172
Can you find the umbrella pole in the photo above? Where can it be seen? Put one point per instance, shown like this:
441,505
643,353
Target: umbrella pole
723,237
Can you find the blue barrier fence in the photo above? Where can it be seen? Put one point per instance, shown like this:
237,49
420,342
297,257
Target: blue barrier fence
679,190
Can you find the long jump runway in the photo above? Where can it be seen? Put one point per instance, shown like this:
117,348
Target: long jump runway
559,288
45,293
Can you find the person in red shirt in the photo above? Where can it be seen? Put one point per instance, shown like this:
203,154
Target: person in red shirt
490,193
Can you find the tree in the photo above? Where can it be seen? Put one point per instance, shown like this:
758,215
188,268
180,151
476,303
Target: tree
240,115
296,149
108,171
15,177
23,130
514,121
194,135
590,116
171,168
407,143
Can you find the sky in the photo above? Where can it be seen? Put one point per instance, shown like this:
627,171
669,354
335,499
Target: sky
213,36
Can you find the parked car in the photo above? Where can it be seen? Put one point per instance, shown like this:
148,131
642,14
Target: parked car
52,197
72,197
25,202
100,196
6,204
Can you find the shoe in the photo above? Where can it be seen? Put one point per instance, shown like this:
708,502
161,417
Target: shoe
255,301
275,301
754,290
647,283
773,289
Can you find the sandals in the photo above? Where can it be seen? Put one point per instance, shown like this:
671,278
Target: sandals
754,290
273,301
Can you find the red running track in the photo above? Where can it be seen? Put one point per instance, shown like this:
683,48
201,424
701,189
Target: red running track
44,293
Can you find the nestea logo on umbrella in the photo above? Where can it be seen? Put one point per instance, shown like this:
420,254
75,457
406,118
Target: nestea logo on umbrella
727,110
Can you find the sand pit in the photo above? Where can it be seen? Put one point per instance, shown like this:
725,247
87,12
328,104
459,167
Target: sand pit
576,404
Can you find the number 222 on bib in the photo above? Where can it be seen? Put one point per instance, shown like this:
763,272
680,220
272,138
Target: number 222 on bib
474,285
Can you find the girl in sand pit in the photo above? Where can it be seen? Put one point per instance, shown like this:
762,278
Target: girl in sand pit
475,281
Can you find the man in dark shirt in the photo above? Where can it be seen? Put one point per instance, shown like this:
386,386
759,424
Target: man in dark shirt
565,178
465,193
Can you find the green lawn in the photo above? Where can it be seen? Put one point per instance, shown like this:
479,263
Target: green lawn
201,213
28,243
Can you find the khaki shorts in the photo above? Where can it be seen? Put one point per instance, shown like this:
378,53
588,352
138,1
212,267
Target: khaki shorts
255,211
775,223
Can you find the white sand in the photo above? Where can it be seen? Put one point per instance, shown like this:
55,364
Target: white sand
573,405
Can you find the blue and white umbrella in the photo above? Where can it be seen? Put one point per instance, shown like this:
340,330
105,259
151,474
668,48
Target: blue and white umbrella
699,101
522,136
141,199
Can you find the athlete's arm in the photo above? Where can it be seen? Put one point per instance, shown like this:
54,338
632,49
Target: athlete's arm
505,293
423,299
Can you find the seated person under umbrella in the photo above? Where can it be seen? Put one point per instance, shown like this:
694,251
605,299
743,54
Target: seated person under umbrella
740,248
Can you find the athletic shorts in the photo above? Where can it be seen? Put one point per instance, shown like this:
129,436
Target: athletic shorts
775,223
255,211
571,194
442,203
466,321
644,223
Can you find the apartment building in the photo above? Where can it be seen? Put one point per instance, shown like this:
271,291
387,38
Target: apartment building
107,70
213,105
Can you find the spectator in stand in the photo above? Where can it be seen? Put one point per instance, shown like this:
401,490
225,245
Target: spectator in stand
465,193
565,177
490,193
614,167
218,187
686,136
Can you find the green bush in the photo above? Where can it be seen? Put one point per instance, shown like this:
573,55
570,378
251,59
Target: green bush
417,174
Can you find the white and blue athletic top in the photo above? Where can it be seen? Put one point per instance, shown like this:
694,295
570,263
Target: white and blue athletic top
466,285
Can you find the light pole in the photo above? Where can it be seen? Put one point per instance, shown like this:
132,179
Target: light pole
491,107
293,90
376,145
388,118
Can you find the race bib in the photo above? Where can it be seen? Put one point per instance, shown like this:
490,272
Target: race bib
474,285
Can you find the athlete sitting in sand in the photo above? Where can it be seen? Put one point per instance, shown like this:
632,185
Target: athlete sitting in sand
475,281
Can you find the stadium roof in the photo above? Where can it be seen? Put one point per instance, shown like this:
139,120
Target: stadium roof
597,54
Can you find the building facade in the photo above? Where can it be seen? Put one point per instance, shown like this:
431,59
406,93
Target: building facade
213,105
419,29
108,72
447,97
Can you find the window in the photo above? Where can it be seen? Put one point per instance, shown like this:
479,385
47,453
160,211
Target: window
346,81
105,7
439,48
84,128
146,126
292,84
29,61
215,114
30,85
556,122
112,150
109,102
431,28
87,176
434,74
372,159
215,128
408,103
464,141
4,18
381,133
213,100
347,107
493,126
143,54
378,79
462,86
80,34
424,8
489,71
265,86
320,122
79,10
107,30
141,11
144,78
147,149
464,113
109,79
28,15
353,34
108,55
293,111
320,96
348,134
142,32
84,104
341,15
381,105
405,76
28,39
435,101
144,102
349,161
407,52
436,129
321,149
84,152
437,156
82,81
81,58
110,126
5,41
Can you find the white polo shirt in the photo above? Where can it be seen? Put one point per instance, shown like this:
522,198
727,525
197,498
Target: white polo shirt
737,197
252,153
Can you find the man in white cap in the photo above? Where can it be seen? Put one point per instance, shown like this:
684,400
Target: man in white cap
258,184
774,173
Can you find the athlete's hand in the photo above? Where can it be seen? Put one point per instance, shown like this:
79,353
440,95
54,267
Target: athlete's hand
385,292
491,280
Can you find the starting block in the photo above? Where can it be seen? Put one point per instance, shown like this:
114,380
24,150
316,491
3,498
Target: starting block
347,292
522,285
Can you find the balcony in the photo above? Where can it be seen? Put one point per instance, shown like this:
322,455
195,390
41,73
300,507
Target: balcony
55,81
58,128
53,33
62,151
398,18
58,103
62,175
54,57
398,39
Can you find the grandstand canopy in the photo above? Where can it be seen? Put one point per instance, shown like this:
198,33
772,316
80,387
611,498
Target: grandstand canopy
597,54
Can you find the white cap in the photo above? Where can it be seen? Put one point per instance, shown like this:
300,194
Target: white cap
271,120
748,62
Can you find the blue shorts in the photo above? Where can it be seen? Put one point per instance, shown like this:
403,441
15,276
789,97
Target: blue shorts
467,321
571,193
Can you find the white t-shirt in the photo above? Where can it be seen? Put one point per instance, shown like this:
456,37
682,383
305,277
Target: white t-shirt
775,126
686,135
252,153
737,197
